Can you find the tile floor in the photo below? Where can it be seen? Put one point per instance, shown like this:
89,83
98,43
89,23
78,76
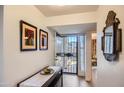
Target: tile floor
72,80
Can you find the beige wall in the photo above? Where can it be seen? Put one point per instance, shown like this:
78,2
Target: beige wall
19,65
88,67
80,18
88,63
109,73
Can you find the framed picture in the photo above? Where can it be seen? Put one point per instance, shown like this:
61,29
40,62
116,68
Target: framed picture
43,40
28,36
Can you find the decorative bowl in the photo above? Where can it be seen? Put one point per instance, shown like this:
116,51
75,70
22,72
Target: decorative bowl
46,71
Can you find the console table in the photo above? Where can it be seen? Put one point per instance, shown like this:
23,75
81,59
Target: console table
37,80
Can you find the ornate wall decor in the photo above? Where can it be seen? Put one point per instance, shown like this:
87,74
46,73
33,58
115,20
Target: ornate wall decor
112,37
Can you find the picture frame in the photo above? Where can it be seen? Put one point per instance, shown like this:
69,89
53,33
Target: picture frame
43,40
28,36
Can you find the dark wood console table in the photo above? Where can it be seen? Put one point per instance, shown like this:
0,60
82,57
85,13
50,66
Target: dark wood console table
38,80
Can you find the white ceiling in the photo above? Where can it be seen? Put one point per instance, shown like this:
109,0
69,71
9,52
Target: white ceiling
71,29
54,10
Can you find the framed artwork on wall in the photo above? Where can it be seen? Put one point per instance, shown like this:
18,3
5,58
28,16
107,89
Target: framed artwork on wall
43,40
28,36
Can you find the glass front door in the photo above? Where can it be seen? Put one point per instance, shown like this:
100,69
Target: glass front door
70,53
70,50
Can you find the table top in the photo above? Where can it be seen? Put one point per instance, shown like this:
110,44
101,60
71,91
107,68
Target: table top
38,80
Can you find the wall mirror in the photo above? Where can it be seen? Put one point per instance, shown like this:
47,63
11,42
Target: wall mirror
112,39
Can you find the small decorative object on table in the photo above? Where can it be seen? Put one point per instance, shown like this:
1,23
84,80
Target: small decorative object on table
46,71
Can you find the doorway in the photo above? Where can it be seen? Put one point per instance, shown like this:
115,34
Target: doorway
70,53
94,57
